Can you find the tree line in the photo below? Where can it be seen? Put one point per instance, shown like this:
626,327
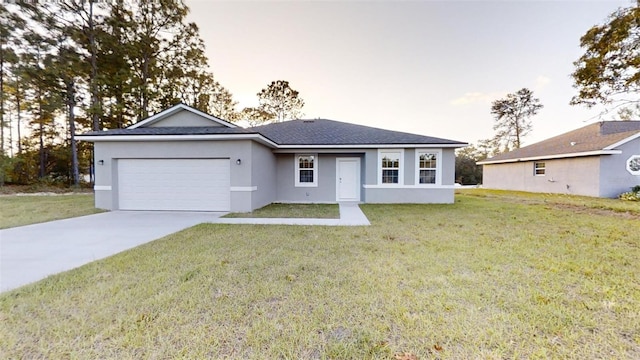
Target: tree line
76,65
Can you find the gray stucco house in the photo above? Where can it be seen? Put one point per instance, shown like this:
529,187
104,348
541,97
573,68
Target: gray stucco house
600,160
183,159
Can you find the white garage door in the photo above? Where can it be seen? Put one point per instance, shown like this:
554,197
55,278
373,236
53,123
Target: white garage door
174,184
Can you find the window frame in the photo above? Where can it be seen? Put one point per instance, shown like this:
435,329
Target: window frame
438,168
537,168
296,173
400,153
631,159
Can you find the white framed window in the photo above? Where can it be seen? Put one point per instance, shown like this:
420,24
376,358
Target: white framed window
633,165
539,168
306,173
428,167
390,167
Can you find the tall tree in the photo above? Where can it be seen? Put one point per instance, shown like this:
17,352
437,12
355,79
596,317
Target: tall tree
512,116
255,116
280,100
608,72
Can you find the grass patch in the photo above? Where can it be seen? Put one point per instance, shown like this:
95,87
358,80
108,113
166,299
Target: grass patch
486,277
26,210
311,211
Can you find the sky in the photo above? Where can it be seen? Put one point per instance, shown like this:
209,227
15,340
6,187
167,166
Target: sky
425,67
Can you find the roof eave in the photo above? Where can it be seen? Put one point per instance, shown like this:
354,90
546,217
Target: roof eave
369,146
113,138
551,157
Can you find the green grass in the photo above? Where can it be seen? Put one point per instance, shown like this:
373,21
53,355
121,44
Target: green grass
313,211
484,278
32,209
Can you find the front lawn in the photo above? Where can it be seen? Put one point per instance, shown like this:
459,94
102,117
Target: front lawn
484,278
32,209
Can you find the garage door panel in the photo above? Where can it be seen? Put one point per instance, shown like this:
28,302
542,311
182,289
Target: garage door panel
174,184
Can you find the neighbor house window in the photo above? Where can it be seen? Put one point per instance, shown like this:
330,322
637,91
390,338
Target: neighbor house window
390,167
306,170
539,168
633,165
427,171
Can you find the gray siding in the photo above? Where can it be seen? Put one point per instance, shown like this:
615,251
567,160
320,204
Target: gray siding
184,118
110,152
577,176
415,195
263,175
599,176
325,191
614,177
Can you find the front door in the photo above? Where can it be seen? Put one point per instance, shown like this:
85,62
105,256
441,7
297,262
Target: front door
348,179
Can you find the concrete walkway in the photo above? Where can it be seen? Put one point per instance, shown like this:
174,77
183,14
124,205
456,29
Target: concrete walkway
350,215
33,252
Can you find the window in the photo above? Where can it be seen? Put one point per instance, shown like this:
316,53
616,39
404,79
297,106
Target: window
390,167
633,165
427,167
306,170
539,168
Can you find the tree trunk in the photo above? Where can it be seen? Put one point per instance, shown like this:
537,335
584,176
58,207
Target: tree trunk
72,129
95,106
18,98
1,96
41,168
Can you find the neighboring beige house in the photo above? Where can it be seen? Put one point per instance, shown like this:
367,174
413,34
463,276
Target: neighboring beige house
601,160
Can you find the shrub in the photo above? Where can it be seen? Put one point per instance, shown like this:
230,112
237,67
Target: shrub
633,195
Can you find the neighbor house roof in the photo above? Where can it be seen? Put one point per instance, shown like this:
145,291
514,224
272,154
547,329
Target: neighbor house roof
600,138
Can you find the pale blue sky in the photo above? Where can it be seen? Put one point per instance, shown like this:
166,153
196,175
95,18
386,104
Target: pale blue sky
428,67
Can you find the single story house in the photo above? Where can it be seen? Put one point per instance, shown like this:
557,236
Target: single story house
600,160
184,159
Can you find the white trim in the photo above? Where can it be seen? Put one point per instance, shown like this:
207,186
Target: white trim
438,153
102,187
551,157
400,166
243,188
397,186
358,177
371,146
97,138
163,114
623,141
296,173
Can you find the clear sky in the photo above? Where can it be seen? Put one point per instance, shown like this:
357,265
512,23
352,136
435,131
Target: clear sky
427,67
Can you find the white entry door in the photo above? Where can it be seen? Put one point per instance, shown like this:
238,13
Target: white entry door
174,184
348,179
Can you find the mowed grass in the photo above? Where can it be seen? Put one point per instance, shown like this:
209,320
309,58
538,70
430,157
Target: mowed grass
484,278
32,209
313,211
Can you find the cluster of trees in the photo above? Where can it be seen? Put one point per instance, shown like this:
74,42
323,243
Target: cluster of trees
75,65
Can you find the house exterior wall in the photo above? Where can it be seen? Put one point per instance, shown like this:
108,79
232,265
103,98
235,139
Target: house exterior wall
614,177
409,191
263,175
325,192
371,191
184,118
106,176
577,176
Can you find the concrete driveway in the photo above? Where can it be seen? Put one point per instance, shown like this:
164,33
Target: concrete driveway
31,253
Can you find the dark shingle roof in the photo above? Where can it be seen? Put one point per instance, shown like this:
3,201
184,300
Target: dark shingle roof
180,130
594,137
329,132
297,132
